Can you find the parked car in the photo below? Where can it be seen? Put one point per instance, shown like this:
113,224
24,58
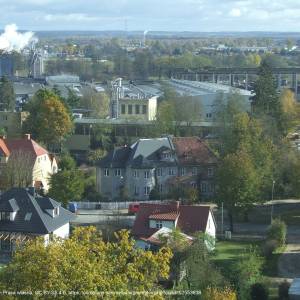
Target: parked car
133,208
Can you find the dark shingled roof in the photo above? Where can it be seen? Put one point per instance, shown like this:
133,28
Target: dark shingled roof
116,158
40,222
192,218
146,153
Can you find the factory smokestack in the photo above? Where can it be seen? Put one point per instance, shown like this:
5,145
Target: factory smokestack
12,40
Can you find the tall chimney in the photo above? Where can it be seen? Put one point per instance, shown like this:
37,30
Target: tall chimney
27,136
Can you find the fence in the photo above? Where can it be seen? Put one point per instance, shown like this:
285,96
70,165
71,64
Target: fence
109,205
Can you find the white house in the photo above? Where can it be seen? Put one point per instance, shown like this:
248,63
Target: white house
153,220
25,215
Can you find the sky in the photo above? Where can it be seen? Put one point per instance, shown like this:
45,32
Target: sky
153,15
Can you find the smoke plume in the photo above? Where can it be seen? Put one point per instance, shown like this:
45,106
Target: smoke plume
12,40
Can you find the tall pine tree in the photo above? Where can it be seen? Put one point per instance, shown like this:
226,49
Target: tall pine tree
266,98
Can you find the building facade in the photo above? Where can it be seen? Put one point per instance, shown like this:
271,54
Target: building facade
158,166
24,162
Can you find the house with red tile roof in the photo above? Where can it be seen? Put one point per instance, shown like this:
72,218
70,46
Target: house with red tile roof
159,164
26,163
152,218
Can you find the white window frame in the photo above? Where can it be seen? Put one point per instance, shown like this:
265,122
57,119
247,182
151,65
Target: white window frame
210,172
171,172
159,172
182,171
106,172
146,190
158,224
118,172
146,174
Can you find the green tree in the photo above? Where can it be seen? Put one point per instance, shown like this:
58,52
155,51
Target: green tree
49,120
7,95
238,183
66,186
266,98
248,271
85,263
67,162
165,118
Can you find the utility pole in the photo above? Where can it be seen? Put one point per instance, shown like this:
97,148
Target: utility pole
272,205
222,228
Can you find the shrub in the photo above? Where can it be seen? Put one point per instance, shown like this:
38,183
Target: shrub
259,292
219,294
269,247
283,290
277,232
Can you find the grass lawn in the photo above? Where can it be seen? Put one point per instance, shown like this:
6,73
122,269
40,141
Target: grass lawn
228,253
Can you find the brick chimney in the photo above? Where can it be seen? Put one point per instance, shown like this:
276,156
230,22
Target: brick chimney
175,205
27,136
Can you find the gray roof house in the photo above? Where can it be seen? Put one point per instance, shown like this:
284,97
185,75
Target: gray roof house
24,215
158,164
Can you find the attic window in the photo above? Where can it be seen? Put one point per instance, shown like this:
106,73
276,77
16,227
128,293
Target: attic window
56,211
28,217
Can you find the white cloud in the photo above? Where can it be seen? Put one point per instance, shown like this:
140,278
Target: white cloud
235,12
69,17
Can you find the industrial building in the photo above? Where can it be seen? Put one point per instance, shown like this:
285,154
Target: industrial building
206,94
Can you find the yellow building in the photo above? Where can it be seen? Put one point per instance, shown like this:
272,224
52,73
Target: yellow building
138,109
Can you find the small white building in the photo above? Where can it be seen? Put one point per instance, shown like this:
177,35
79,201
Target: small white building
26,215
155,219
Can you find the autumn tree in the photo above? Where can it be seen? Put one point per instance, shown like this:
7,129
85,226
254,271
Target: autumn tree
18,171
219,294
87,265
7,95
49,120
289,112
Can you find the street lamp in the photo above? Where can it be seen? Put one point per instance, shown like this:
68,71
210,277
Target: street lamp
272,205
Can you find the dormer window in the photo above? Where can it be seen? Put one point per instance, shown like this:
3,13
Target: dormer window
158,224
56,211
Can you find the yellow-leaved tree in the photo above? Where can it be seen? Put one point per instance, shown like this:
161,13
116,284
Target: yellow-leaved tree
84,266
49,120
219,294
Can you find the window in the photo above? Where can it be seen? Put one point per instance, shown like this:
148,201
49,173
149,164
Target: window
118,172
158,224
136,190
171,171
167,155
106,172
203,187
210,172
194,171
135,173
159,172
160,188
28,216
45,157
137,109
5,117
146,190
4,216
208,115
144,109
146,174
182,171
194,185
130,109
123,109
211,188
56,211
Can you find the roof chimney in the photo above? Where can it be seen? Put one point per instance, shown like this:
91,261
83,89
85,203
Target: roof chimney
175,205
3,137
31,191
27,136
